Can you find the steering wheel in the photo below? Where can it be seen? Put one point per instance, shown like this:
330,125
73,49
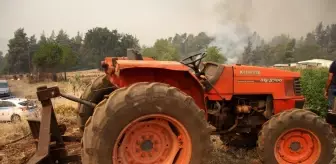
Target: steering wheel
194,61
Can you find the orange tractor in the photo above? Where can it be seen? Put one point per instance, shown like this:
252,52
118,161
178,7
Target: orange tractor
144,111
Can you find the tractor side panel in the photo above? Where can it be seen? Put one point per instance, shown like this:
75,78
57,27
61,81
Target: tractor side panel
281,105
224,85
256,84
179,79
254,80
265,81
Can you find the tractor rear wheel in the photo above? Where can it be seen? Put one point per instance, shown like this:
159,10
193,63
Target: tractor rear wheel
296,136
146,123
95,93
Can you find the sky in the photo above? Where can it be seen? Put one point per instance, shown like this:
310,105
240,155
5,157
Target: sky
149,20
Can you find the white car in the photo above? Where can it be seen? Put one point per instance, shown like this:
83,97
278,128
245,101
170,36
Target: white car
15,109
4,89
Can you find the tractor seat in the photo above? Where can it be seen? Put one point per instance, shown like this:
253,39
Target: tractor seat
212,71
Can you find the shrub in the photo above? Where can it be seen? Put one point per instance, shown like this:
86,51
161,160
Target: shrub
313,83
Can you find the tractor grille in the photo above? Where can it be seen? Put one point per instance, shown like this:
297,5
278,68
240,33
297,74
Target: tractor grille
297,87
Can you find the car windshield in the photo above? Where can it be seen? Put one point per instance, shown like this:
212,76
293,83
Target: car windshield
3,85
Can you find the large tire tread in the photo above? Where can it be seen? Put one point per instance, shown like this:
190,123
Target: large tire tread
94,92
281,121
129,103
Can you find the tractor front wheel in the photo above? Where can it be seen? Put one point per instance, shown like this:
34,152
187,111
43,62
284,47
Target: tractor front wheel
146,123
296,136
95,93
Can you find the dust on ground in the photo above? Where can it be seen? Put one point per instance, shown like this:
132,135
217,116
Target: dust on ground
21,151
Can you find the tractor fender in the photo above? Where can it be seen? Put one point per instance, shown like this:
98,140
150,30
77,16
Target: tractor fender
130,64
182,79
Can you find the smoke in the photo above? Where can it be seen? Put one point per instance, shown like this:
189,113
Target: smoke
232,30
236,20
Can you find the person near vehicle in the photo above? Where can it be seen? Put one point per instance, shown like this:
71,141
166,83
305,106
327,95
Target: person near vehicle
330,89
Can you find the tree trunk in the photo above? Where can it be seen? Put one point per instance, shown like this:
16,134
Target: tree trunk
54,76
65,76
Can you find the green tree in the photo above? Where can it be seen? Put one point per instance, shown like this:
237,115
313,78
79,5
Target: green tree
18,52
32,48
332,39
4,64
264,55
48,57
127,41
321,36
101,42
76,43
188,43
247,54
97,44
307,51
149,52
214,55
310,39
68,59
162,50
43,39
52,37
77,48
289,52
62,38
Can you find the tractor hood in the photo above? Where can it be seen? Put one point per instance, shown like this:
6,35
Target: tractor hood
171,65
244,70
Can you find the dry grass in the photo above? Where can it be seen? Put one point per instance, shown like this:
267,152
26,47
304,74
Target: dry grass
10,132
77,82
25,90
19,152
85,73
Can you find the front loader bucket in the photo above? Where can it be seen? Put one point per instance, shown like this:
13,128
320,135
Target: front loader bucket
48,133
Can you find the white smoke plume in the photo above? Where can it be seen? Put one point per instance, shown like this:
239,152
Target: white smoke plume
236,20
232,32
